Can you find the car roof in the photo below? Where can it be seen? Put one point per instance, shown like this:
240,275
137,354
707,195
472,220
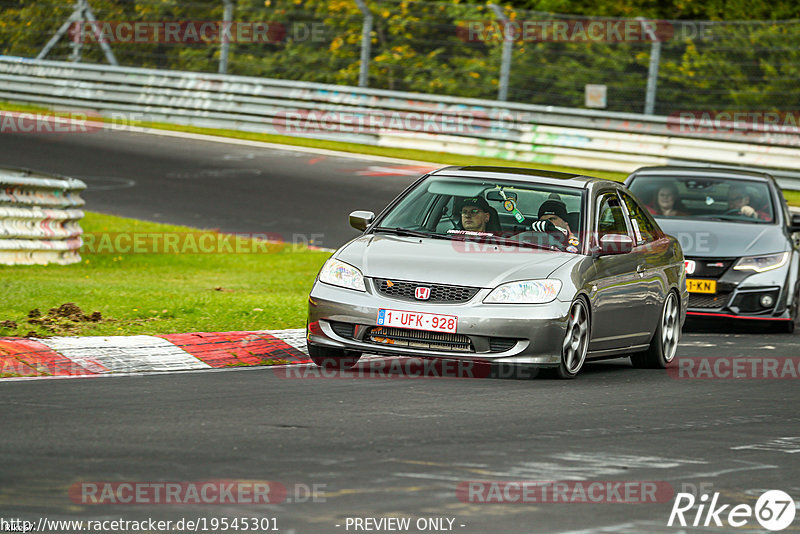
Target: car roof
705,172
523,174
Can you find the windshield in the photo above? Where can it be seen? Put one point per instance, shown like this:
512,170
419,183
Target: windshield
745,201
506,211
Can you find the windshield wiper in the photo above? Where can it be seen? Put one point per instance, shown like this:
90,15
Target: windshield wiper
408,232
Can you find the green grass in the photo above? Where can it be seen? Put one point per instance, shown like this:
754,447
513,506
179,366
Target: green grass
149,293
792,197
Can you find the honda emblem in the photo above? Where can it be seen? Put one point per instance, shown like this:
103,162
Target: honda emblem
422,293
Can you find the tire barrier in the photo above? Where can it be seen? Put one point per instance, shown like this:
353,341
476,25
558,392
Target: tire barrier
38,220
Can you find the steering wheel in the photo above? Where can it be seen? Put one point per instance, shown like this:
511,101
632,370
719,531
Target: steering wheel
734,211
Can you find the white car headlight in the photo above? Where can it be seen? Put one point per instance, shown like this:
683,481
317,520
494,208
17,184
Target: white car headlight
525,292
760,264
339,273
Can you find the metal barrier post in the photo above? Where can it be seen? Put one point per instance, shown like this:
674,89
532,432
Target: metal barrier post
227,17
508,44
82,12
652,70
366,44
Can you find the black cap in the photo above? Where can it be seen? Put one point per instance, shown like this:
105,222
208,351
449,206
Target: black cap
553,207
478,202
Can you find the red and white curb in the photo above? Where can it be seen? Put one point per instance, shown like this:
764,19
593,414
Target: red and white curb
89,356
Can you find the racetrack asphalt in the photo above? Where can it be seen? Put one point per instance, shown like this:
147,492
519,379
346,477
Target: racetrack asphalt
392,446
295,195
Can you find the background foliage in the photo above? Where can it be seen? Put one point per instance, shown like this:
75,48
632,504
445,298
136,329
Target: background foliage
722,54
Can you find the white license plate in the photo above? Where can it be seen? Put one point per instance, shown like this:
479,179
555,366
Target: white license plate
418,321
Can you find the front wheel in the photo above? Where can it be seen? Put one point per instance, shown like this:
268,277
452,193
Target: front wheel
794,314
664,344
576,340
329,358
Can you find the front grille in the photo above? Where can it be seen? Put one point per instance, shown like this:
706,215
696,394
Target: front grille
345,330
701,300
439,293
419,339
710,267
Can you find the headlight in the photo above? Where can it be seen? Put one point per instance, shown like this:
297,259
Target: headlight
339,273
525,292
760,264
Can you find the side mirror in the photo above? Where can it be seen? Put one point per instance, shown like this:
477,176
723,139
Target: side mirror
361,219
615,244
794,226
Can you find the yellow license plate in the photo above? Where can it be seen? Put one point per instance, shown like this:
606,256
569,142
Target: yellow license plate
701,286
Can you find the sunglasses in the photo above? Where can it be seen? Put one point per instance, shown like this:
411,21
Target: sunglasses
471,211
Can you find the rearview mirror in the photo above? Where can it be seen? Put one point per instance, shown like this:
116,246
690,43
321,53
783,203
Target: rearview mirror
361,219
615,244
494,194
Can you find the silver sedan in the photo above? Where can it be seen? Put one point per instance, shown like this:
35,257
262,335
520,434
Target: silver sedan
507,265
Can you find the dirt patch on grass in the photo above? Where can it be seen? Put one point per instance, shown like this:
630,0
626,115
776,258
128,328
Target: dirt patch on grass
65,319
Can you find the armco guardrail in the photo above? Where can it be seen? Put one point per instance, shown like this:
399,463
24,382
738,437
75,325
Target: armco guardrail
541,134
38,220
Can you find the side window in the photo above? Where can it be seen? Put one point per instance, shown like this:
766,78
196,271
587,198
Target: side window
610,218
643,229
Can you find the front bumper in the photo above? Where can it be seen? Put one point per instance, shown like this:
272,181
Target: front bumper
531,334
740,295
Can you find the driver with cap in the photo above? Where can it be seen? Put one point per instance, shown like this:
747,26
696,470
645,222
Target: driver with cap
555,211
474,214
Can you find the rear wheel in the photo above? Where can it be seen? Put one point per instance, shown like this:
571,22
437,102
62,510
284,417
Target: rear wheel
576,341
330,358
664,344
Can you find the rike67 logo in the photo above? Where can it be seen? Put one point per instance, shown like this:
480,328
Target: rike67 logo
774,510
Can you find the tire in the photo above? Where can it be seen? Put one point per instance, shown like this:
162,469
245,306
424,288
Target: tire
576,341
332,358
664,344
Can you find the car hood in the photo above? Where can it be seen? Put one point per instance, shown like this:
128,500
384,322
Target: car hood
724,239
441,261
